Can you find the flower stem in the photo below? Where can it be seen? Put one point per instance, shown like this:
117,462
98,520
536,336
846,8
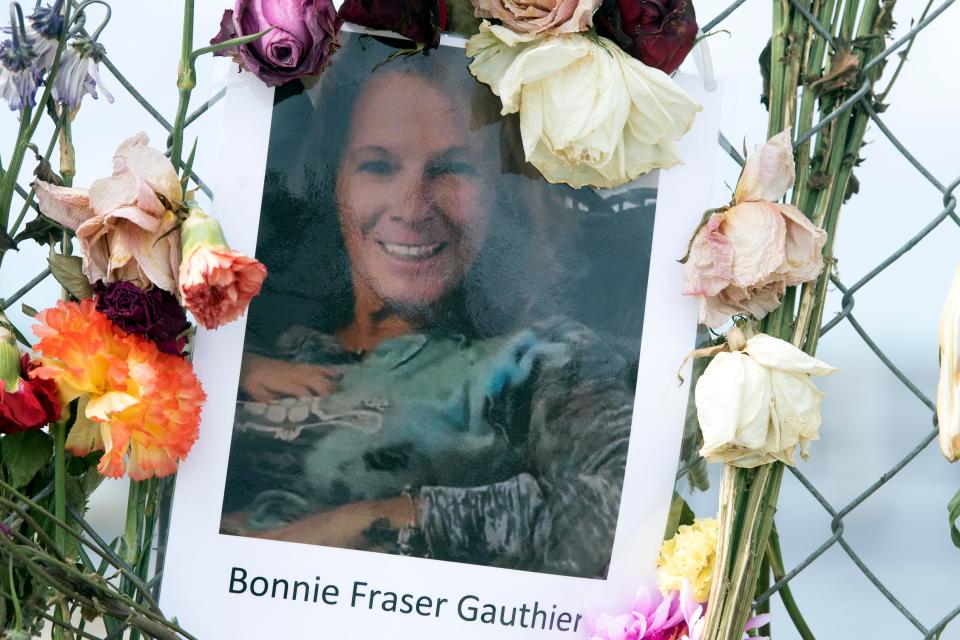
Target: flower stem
186,81
59,503
775,558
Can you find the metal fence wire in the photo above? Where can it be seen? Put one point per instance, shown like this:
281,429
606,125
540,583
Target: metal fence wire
861,98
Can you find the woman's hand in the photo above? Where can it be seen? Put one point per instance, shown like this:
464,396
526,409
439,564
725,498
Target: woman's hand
345,526
265,379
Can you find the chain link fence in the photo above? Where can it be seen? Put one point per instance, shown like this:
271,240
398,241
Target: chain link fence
861,98
835,537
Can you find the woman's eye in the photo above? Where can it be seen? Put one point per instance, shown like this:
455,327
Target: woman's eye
453,168
376,167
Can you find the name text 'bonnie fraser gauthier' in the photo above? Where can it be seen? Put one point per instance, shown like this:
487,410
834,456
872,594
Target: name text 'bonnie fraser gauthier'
361,595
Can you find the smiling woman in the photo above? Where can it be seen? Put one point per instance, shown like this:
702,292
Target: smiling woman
450,373
413,196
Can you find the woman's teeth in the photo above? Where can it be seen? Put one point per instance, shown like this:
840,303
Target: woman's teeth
412,251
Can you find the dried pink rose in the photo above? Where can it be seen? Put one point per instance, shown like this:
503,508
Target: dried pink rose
123,223
540,16
746,255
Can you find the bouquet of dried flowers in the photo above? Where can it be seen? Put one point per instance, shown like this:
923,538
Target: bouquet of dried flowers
106,389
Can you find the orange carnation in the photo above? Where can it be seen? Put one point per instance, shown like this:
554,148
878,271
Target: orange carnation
135,399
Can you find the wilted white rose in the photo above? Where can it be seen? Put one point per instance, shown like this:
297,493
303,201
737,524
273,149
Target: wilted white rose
948,390
746,255
756,405
590,115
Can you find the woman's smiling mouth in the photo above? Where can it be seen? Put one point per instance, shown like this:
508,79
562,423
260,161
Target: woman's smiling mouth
411,252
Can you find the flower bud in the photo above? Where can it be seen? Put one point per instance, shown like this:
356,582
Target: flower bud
25,403
9,360
658,33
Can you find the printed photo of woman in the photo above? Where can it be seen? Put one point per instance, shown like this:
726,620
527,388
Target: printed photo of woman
442,362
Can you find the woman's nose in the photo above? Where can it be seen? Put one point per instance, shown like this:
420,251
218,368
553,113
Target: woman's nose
415,203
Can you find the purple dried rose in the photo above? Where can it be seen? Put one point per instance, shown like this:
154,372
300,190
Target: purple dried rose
658,33
155,314
419,20
303,39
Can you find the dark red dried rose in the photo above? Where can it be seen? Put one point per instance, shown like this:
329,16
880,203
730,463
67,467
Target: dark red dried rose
659,33
155,314
31,405
420,20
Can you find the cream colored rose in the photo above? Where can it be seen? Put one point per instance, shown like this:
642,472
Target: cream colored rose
123,224
688,557
948,390
590,115
543,16
746,255
757,404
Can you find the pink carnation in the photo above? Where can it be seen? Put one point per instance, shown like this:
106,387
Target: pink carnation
746,255
653,616
216,283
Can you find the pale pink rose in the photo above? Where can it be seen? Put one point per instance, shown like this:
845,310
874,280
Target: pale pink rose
745,256
216,283
543,16
768,173
123,223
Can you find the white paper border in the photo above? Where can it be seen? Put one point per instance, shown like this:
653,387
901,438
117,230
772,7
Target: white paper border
199,559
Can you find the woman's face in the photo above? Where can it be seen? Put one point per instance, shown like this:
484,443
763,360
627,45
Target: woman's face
414,193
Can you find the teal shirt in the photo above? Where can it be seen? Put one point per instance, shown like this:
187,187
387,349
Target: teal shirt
490,432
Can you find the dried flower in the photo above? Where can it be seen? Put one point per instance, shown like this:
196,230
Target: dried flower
421,21
688,557
948,389
756,402
303,39
134,399
216,283
154,314
25,403
19,76
44,27
79,73
543,16
745,256
573,131
124,224
658,33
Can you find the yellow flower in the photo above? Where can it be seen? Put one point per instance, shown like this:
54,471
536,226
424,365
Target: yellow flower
688,557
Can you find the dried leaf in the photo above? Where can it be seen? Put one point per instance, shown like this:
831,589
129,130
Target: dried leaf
764,61
819,180
844,71
45,172
41,230
6,242
68,272
853,187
